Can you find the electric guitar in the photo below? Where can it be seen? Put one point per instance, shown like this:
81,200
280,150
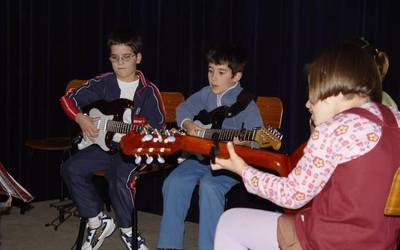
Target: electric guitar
134,144
212,122
109,122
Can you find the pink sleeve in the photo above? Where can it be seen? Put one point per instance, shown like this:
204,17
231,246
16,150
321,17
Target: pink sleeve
344,138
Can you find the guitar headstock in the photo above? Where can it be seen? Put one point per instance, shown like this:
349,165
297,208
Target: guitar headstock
269,137
155,143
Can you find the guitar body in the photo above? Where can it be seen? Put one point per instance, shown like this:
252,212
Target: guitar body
105,112
212,119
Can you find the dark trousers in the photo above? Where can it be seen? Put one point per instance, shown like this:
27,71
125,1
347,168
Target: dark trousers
77,173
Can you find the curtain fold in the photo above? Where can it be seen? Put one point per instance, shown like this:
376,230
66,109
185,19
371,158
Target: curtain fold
45,43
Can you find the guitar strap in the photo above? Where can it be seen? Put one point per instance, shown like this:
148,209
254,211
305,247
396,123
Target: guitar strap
242,101
217,116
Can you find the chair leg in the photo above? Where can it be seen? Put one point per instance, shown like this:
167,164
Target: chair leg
66,154
132,187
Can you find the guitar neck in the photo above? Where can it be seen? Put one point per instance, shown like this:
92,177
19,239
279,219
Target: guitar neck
229,134
133,144
279,163
122,127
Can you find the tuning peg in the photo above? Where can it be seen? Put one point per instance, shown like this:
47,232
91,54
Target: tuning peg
149,159
160,159
158,135
147,137
138,159
158,139
171,138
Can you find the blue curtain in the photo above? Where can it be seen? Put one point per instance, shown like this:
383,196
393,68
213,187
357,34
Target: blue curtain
45,43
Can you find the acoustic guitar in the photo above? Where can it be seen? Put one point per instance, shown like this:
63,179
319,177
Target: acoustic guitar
135,144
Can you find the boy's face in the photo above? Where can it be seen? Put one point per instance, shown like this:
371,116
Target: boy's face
124,62
220,77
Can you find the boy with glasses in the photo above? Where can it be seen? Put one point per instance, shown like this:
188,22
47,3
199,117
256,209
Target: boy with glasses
126,82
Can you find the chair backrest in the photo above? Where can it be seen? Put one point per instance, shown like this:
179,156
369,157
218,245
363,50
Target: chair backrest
392,207
75,83
171,101
271,110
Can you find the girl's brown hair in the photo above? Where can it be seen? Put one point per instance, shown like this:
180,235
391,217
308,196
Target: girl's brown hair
345,69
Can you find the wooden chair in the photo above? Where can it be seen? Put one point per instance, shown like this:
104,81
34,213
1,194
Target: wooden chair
75,83
57,144
271,110
392,207
171,101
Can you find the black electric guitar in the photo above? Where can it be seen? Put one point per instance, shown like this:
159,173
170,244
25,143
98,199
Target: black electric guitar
109,122
212,122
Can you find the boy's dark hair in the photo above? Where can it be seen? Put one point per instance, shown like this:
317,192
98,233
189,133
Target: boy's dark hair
229,54
126,37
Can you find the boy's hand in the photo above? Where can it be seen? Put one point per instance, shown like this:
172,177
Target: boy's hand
236,141
235,163
87,126
192,128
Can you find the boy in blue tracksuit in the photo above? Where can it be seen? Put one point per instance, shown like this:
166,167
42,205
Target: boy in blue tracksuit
225,69
125,82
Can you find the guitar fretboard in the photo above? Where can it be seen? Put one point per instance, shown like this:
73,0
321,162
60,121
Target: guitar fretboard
229,134
122,127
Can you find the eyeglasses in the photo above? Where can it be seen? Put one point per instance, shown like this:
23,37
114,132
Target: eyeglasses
124,58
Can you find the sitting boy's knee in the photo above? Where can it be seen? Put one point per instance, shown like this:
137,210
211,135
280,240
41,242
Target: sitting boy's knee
170,182
207,187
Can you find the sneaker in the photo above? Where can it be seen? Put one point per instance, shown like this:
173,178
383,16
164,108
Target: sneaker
96,236
128,241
